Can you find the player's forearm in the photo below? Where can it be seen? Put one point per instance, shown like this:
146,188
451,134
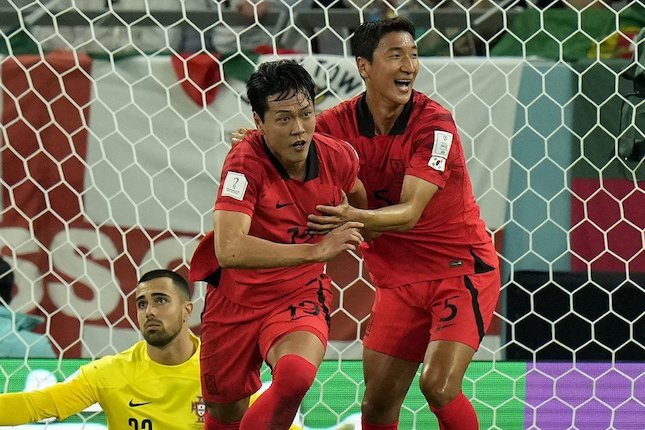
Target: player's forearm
399,218
249,252
24,408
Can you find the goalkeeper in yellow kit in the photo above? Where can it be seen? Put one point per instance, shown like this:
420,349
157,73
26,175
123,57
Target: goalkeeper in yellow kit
154,385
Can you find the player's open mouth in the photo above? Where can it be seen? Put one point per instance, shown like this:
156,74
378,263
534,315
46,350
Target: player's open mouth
403,84
299,145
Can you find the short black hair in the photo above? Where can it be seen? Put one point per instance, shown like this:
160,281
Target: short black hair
282,77
368,35
178,280
6,281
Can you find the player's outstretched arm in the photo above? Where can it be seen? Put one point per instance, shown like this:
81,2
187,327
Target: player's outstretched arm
235,248
25,408
415,196
57,401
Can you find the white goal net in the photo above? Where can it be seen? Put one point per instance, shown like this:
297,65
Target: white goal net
115,117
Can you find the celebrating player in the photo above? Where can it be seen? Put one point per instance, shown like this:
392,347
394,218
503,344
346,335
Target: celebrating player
438,308
268,298
152,385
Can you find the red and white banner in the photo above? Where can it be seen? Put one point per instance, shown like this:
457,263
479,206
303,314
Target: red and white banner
109,169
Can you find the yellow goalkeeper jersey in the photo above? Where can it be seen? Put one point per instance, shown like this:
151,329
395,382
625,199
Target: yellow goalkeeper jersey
135,393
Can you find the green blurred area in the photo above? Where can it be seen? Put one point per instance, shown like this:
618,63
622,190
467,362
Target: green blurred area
497,389
571,35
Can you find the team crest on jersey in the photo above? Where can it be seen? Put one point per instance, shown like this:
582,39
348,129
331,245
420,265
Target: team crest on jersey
199,408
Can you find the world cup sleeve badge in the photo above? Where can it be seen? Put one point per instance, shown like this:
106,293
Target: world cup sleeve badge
440,150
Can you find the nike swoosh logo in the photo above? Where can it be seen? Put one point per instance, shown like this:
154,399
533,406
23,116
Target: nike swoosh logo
281,205
134,405
441,327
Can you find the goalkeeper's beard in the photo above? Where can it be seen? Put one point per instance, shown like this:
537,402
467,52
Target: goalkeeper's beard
160,338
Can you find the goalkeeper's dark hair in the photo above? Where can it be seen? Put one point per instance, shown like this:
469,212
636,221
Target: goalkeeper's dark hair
284,78
368,35
179,281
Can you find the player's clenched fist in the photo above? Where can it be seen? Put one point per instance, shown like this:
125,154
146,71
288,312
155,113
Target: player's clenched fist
238,135
343,238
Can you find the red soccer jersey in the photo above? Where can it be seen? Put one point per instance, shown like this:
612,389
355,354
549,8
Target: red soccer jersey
450,238
255,183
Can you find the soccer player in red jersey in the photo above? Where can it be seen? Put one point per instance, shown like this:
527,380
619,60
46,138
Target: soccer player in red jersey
434,265
268,298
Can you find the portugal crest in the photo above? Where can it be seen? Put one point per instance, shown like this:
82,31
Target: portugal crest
199,408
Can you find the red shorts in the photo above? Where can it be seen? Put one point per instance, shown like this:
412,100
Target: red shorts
236,339
405,319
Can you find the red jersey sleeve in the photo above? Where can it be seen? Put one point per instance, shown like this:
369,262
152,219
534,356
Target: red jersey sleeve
240,181
203,263
351,176
342,159
321,122
325,122
436,150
